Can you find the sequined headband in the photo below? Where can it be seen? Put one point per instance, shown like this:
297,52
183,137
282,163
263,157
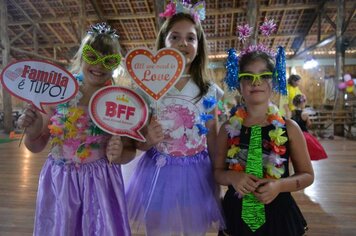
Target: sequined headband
102,28
197,11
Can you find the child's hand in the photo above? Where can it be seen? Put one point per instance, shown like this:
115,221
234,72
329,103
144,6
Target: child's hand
31,120
267,190
154,132
114,149
244,183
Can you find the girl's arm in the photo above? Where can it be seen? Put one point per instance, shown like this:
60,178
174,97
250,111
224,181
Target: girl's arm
120,150
303,171
305,117
212,125
153,133
303,175
243,183
36,128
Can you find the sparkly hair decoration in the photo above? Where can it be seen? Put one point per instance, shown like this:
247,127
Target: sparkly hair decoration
279,73
243,32
268,27
232,70
102,28
197,11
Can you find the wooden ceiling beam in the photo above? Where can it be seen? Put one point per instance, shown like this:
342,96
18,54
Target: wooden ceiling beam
113,6
49,8
299,41
31,20
69,33
152,41
34,8
72,24
98,10
53,31
351,16
25,31
327,18
158,8
65,19
136,22
36,55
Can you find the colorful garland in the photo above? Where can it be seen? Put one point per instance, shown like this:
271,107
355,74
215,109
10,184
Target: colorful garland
71,126
272,163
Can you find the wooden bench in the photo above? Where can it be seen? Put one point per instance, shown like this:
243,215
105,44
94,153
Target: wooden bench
323,119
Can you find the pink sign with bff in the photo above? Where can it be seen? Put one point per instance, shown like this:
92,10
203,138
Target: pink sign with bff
155,72
39,82
119,111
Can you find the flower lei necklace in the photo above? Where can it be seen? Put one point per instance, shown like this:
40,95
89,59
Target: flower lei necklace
72,127
273,163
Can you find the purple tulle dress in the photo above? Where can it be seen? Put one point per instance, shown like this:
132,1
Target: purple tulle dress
172,190
79,193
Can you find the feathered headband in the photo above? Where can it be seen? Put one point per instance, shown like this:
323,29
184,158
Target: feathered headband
197,11
232,62
102,28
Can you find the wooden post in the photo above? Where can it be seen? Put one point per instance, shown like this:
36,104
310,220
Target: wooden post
7,102
82,21
339,105
252,16
159,8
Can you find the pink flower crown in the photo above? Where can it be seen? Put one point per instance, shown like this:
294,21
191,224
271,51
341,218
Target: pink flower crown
197,11
244,31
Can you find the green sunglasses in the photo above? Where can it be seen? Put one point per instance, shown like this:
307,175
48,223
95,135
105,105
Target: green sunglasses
92,57
255,78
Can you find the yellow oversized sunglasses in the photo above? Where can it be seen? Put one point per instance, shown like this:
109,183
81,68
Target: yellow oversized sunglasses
255,78
92,57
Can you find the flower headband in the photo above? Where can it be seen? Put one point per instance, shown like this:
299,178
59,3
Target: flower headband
102,28
197,11
232,63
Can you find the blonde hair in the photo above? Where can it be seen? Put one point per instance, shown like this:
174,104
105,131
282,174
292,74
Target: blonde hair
199,66
103,43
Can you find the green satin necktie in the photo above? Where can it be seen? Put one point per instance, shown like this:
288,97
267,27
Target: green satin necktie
253,211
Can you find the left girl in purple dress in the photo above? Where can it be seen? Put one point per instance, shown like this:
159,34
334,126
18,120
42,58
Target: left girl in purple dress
81,189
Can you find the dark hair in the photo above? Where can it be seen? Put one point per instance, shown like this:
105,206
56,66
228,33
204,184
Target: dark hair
254,56
293,78
199,66
298,99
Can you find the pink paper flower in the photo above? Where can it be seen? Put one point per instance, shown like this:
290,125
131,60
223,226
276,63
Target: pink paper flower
243,32
170,10
268,27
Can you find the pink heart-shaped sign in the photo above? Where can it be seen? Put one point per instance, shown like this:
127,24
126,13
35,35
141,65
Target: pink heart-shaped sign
155,73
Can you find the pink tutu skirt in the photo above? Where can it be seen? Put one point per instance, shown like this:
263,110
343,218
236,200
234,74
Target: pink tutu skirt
316,151
173,195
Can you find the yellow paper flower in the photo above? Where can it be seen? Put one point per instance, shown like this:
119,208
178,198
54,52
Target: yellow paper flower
276,136
56,141
75,114
84,153
233,151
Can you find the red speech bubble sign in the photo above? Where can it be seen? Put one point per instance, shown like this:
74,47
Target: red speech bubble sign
155,73
39,82
119,111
